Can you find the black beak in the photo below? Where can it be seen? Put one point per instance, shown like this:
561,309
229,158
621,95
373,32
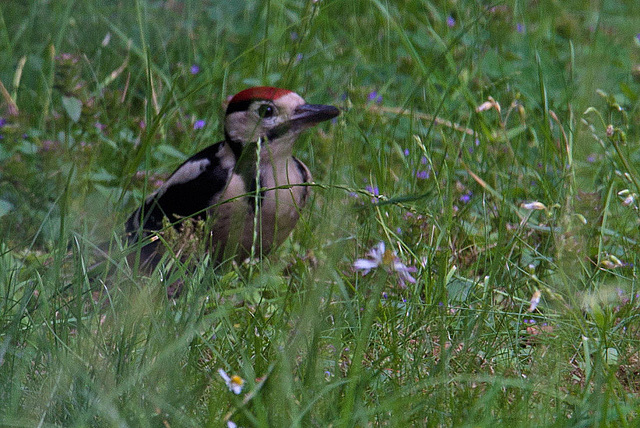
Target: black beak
310,114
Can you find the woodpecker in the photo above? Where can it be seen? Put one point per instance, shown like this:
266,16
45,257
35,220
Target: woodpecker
247,190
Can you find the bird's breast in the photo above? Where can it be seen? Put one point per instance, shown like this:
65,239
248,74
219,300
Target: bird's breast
272,203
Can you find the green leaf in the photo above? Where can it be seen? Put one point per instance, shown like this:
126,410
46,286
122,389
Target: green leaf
611,356
171,151
73,107
5,207
459,289
103,176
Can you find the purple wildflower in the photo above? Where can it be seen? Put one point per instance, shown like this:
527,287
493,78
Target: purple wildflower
466,197
373,96
451,21
49,145
373,190
520,27
3,122
195,69
423,160
199,124
422,175
406,152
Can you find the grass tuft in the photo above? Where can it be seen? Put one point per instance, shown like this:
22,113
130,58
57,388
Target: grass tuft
491,148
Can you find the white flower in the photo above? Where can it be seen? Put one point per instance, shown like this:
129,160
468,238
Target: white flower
234,383
378,256
535,299
484,106
535,205
487,105
375,259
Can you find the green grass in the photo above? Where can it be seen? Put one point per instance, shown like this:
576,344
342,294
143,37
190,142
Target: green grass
100,104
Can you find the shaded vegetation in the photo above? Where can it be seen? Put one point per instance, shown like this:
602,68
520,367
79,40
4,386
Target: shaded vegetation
493,147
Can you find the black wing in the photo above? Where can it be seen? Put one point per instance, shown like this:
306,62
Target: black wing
188,192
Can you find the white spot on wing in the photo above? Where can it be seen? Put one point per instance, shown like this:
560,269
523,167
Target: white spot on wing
187,172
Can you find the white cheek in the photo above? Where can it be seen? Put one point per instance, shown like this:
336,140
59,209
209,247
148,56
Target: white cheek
242,126
248,127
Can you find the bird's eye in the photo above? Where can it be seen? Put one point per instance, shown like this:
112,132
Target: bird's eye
265,111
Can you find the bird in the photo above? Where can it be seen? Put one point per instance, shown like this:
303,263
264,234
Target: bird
242,196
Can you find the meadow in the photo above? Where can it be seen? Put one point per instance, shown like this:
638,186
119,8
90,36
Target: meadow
491,147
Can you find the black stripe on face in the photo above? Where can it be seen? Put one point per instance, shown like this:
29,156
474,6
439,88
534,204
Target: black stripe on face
239,106
278,131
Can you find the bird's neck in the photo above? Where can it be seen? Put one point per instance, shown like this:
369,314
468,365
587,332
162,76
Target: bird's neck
269,159
271,152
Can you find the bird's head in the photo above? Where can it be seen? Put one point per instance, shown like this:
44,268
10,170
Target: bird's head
277,116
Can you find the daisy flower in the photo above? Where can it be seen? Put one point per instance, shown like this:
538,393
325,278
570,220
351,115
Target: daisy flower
234,383
379,256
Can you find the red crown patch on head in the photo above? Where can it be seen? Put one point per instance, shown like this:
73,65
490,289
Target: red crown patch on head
259,93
